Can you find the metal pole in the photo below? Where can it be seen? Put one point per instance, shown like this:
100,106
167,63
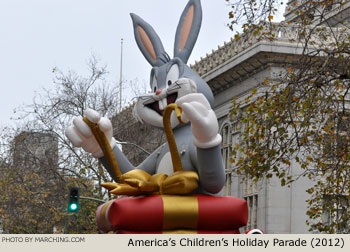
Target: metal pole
65,224
88,198
121,74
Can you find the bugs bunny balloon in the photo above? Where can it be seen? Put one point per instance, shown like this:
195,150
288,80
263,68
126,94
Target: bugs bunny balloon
172,81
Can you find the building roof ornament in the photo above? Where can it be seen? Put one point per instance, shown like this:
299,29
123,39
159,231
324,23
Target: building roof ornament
272,34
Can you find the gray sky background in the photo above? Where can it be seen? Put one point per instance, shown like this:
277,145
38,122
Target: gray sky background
38,35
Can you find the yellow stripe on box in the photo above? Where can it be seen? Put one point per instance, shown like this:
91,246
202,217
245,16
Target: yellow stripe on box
104,217
180,211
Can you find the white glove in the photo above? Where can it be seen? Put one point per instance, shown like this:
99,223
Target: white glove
81,135
197,110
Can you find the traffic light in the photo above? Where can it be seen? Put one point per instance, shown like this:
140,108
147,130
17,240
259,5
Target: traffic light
73,199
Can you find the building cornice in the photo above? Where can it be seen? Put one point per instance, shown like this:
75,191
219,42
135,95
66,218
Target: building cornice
276,43
336,13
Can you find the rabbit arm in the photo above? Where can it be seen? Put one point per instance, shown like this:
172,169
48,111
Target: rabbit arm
148,165
210,168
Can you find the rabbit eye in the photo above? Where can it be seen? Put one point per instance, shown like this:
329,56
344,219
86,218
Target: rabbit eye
154,84
173,74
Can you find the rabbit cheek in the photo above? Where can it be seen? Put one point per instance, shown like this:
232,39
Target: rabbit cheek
148,115
187,86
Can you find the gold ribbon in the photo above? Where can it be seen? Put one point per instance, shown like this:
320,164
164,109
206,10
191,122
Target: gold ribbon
175,157
139,182
103,215
105,146
180,211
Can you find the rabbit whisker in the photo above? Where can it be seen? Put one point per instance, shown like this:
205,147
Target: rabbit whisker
143,97
172,89
148,101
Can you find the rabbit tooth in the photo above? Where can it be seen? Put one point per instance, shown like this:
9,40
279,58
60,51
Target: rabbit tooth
160,102
163,103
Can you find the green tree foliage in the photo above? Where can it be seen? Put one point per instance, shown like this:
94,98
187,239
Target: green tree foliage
38,163
302,118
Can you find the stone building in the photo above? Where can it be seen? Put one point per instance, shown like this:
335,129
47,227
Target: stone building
36,151
35,185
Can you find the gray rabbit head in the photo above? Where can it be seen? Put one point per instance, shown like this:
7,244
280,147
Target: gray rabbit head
170,78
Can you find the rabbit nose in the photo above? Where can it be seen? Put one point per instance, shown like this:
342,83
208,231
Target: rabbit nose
158,91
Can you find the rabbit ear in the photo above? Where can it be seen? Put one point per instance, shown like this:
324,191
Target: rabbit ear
188,30
148,42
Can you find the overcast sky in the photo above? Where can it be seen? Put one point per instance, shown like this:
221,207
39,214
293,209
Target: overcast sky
38,35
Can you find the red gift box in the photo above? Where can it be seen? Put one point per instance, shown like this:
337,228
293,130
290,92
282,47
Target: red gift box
157,213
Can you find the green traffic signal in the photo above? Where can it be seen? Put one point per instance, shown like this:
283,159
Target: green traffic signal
73,207
73,199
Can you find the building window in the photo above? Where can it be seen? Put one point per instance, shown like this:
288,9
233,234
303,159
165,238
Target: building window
226,150
250,194
335,206
337,145
230,136
228,185
236,133
226,146
252,202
